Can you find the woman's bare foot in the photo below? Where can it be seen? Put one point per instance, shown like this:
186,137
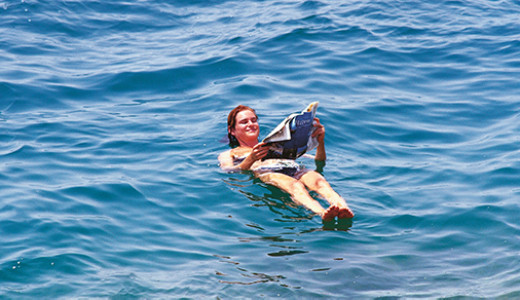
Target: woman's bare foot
330,213
345,213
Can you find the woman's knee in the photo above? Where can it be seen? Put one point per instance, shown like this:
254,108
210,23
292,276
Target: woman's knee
322,183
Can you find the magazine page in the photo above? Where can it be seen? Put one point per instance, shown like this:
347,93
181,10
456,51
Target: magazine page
292,137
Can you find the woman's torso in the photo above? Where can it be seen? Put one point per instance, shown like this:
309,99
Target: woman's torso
286,166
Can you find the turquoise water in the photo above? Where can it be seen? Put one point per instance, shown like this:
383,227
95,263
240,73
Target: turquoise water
112,115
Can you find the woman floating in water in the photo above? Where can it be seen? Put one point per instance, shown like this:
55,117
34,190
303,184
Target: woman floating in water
286,174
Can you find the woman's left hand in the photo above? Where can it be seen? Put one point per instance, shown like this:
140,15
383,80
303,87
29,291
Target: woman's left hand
319,131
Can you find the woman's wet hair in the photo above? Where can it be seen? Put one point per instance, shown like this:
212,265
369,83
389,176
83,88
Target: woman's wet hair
231,122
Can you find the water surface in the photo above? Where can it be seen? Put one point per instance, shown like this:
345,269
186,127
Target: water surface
111,120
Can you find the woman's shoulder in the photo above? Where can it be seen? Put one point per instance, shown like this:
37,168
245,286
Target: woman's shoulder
240,152
230,158
237,152
225,159
226,155
234,155
227,152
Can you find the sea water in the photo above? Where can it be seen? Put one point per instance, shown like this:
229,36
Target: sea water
112,115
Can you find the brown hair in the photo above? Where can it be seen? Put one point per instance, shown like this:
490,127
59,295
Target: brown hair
231,122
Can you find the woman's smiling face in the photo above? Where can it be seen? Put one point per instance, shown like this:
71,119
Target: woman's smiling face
246,127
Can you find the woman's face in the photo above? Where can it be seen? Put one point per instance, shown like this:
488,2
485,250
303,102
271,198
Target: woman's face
246,126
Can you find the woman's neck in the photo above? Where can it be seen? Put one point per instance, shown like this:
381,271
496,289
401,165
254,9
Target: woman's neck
248,143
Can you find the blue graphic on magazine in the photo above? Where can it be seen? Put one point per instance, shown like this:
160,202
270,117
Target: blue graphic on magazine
292,137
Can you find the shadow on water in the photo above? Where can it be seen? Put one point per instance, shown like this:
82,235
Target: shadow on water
339,225
246,277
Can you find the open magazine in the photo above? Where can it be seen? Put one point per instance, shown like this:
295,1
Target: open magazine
292,137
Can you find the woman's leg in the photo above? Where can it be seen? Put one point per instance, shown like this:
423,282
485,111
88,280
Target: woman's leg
299,194
316,182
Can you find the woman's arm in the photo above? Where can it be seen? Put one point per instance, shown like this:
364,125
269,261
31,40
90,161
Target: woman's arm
225,159
319,134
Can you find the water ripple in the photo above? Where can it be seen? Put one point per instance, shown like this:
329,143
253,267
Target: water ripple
111,116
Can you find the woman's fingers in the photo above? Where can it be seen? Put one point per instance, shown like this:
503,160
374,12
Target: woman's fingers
260,151
319,130
263,149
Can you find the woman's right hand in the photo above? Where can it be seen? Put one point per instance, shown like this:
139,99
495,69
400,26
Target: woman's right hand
259,151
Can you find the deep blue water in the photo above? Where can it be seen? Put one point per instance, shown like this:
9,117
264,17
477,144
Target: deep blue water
111,120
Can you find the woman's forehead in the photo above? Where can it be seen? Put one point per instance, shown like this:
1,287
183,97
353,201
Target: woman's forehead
245,114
